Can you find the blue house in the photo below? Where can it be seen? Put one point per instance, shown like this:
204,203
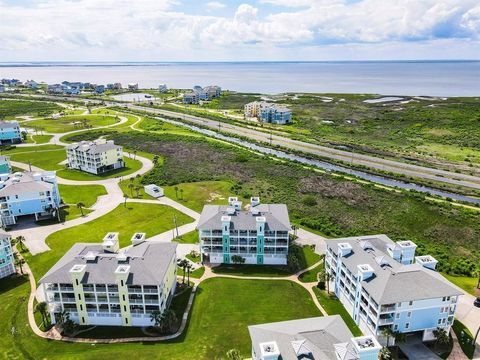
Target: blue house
6,255
28,193
5,167
10,132
100,89
275,114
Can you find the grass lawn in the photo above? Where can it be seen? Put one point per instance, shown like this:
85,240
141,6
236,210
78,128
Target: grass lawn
195,259
311,275
87,194
125,220
465,338
333,306
9,150
41,139
197,274
66,123
469,284
216,325
130,167
188,238
46,160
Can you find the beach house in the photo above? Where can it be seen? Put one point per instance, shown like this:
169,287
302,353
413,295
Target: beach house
101,284
95,157
28,193
10,132
7,266
382,284
191,98
133,87
162,88
5,166
268,112
258,235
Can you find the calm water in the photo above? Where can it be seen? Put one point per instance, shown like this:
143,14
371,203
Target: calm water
449,78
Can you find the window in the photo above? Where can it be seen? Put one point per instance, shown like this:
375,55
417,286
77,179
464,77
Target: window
76,281
79,297
124,308
123,296
410,303
126,320
397,316
81,307
444,298
121,282
395,327
409,314
439,321
407,325
83,319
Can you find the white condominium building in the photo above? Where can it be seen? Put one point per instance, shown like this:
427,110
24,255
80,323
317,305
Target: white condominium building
382,284
6,255
259,235
100,284
268,112
95,157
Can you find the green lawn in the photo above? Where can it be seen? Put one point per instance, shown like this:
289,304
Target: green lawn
41,139
130,167
217,323
9,150
333,306
465,338
311,275
125,220
195,259
67,123
197,274
469,284
46,160
188,238
87,194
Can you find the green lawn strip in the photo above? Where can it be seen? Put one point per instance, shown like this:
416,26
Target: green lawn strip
311,275
86,194
197,274
9,149
130,167
469,284
41,139
195,259
221,312
137,190
188,238
72,122
125,220
46,160
333,306
465,338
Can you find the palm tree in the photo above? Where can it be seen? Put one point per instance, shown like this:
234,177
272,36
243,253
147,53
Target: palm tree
189,267
441,336
183,265
19,263
131,186
81,205
387,332
20,240
125,196
181,194
176,191
385,353
234,354
41,308
156,318
137,190
134,154
400,338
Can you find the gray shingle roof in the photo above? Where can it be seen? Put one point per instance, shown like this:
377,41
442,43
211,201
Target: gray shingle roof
319,335
94,148
8,124
148,263
394,282
25,184
276,216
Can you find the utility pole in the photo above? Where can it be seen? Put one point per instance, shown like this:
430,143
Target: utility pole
219,126
30,166
270,138
175,224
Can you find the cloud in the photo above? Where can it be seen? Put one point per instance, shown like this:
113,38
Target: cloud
165,30
215,5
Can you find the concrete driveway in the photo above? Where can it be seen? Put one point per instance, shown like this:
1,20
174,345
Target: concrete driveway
416,350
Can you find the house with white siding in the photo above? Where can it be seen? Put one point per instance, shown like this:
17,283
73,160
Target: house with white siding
95,157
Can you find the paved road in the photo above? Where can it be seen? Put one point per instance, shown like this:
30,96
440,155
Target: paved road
469,315
335,154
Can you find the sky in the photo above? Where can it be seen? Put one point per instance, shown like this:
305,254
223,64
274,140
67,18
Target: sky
238,30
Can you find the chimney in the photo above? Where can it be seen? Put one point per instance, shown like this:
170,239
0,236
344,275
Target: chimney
427,261
407,249
254,201
138,238
366,347
344,249
365,271
110,242
269,351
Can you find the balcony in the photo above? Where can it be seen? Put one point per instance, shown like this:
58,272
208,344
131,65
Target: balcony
385,320
387,308
66,288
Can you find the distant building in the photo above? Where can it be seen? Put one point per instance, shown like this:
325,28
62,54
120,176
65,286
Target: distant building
31,84
268,112
100,89
382,284
11,82
100,284
2,88
212,91
7,266
259,235
28,193
10,132
133,86
190,98
162,88
95,157
115,86
5,167
55,89
322,338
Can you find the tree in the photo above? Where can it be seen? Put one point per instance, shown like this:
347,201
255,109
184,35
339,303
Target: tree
155,160
81,205
237,259
131,187
42,309
20,240
234,354
387,333
19,263
189,267
400,338
176,191
137,190
125,196
134,154
156,318
183,265
441,336
385,354
181,194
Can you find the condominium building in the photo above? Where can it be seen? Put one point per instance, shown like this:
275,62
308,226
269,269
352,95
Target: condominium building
259,235
202,94
28,193
268,112
10,132
100,284
190,98
323,338
133,86
382,284
5,166
7,266
95,157
162,88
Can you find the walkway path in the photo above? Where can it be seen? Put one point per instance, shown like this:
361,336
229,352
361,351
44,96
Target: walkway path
457,352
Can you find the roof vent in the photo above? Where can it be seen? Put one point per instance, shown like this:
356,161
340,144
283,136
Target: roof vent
254,211
138,238
91,256
366,245
382,261
110,242
365,271
427,261
254,201
269,350
344,249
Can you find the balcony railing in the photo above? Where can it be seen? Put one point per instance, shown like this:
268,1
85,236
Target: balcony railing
387,308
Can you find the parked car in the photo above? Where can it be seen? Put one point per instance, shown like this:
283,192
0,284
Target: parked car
477,302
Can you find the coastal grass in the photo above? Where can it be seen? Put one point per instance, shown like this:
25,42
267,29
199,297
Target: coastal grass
72,122
222,307
123,219
469,284
86,194
11,108
333,306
